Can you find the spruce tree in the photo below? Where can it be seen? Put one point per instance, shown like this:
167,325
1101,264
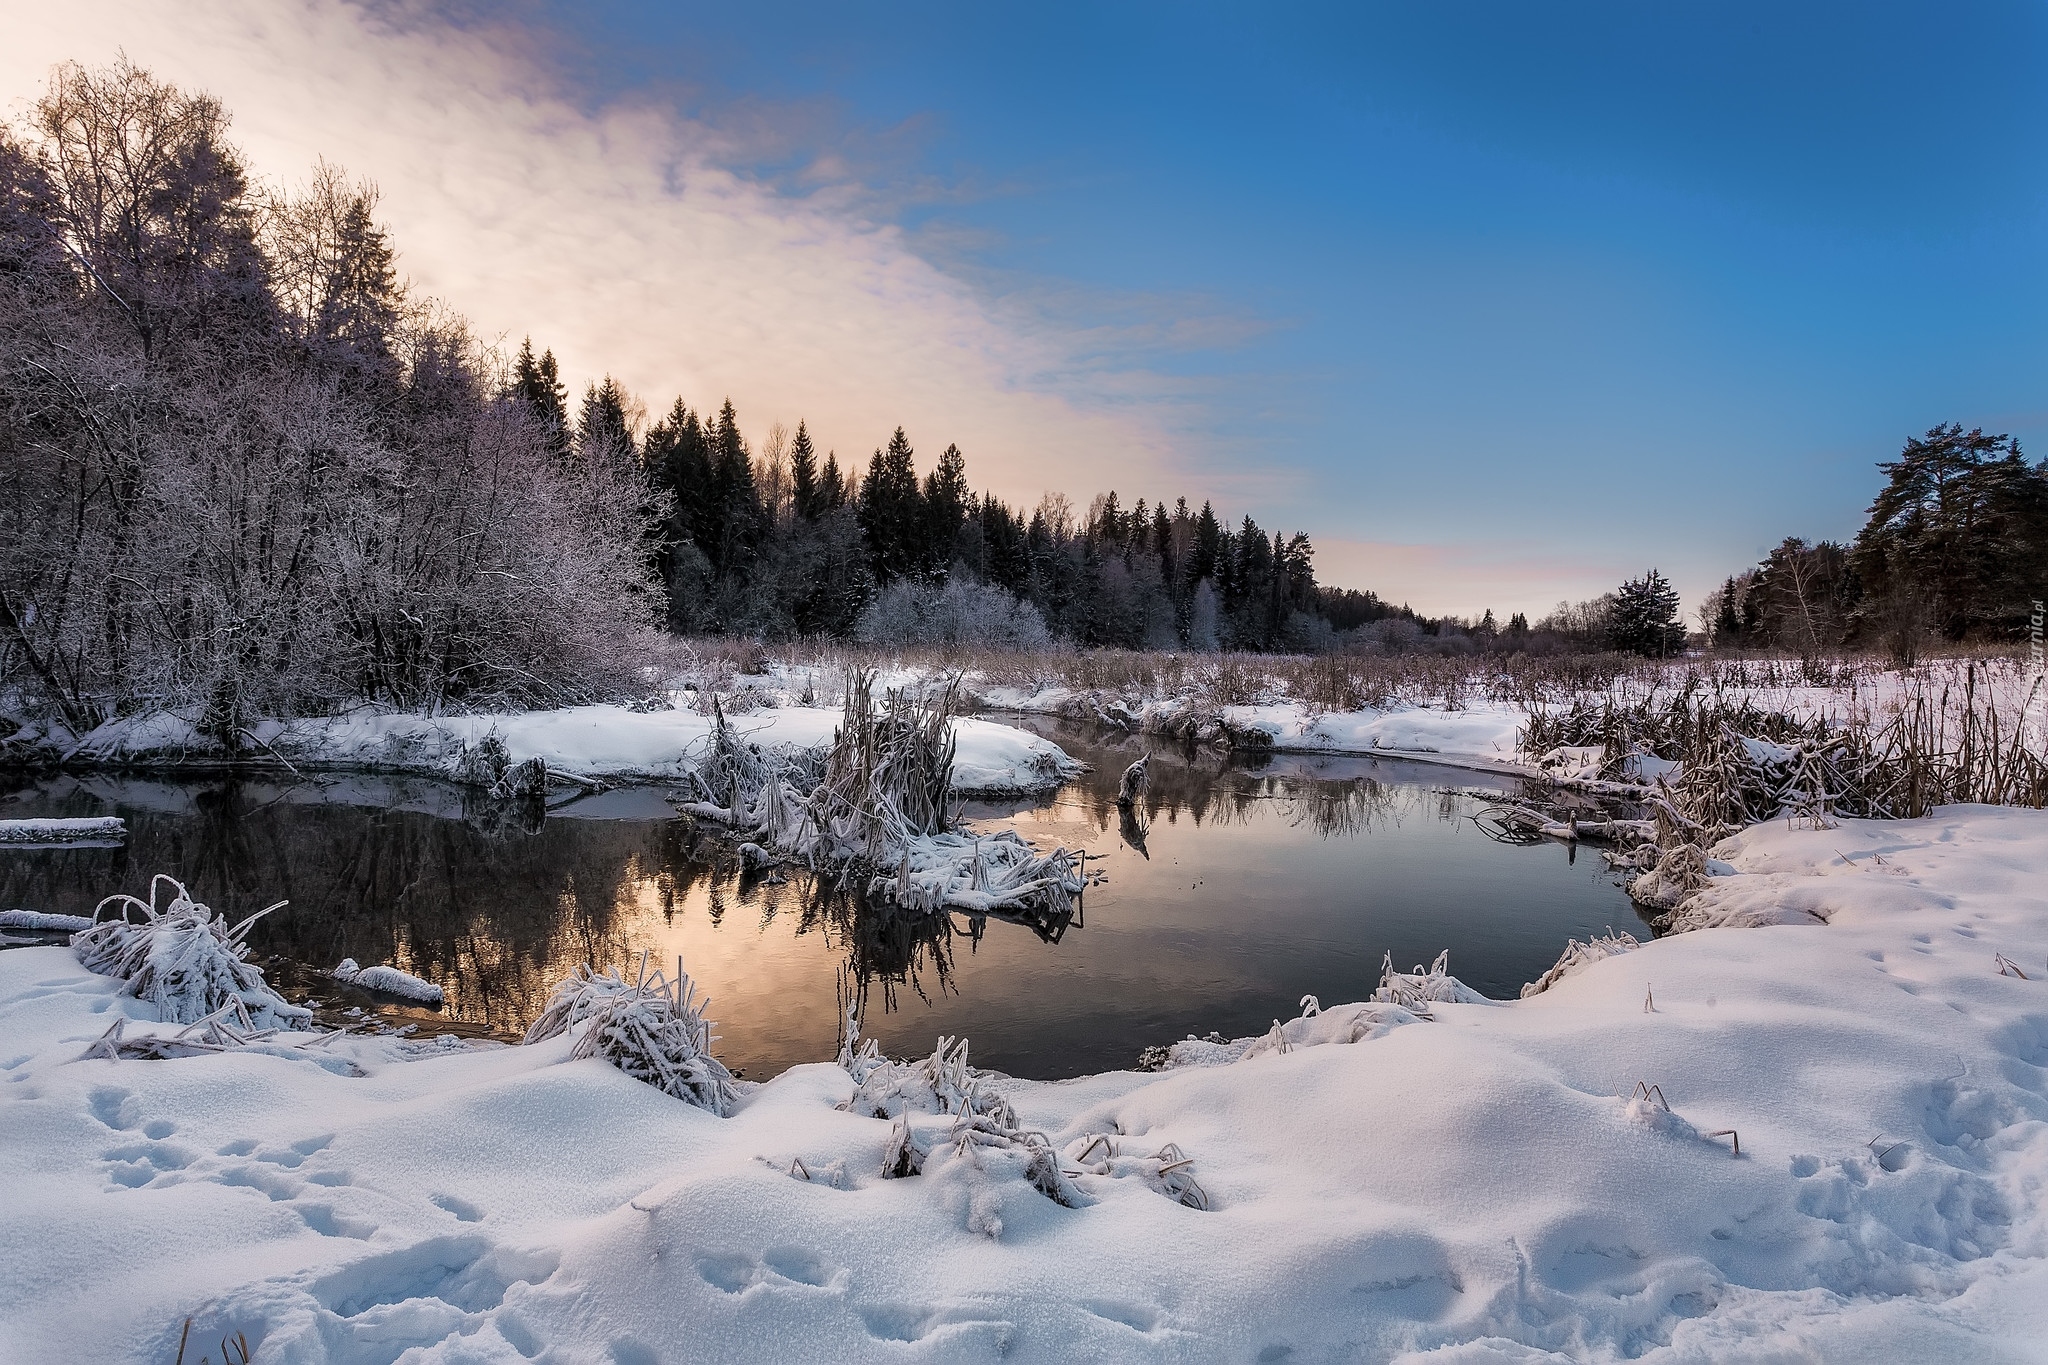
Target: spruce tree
803,475
1645,617
946,496
538,383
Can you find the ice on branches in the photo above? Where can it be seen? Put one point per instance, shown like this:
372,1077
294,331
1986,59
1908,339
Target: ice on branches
183,959
652,1027
878,805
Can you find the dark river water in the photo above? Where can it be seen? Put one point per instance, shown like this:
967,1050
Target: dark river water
1242,887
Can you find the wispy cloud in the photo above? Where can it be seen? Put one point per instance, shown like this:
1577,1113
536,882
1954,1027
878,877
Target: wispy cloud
632,240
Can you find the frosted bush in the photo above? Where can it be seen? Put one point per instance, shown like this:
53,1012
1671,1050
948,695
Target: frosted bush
1314,1027
959,612
651,1027
973,1156
183,959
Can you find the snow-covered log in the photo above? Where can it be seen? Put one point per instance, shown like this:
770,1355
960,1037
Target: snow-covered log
49,924
102,830
389,981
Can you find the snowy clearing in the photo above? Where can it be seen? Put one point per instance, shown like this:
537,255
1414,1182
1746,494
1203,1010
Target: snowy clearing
1878,1052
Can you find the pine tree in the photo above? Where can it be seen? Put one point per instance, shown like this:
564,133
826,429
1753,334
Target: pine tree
832,490
602,425
1959,533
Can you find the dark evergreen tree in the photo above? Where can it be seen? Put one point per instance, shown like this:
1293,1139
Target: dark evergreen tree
803,475
946,497
539,384
1957,537
1645,618
892,512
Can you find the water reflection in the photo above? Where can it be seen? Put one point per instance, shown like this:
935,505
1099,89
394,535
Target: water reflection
1232,890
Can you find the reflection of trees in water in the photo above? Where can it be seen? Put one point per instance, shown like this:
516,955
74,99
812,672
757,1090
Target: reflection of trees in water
493,912
1237,789
495,915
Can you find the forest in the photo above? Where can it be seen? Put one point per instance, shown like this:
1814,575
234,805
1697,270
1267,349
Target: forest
244,469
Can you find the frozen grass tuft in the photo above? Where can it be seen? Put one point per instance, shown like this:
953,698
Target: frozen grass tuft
1577,955
183,959
878,806
1417,990
652,1027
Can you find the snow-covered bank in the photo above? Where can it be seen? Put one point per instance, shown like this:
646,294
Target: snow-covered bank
1481,735
604,742
104,831
1475,1184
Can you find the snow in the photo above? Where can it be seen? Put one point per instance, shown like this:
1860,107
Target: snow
1493,1182
608,742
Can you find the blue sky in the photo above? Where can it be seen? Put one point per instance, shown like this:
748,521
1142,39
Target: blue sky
1601,283
1499,302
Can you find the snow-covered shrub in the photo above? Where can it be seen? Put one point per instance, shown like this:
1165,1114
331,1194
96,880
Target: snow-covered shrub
1418,989
1577,955
390,981
651,1027
183,959
959,612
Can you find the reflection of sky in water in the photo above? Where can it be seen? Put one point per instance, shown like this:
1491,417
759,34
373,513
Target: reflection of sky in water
1237,892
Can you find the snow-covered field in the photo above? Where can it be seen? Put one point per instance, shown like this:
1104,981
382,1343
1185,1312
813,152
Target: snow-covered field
1474,1186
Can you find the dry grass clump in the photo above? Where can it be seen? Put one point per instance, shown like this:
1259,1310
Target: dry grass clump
183,959
652,1027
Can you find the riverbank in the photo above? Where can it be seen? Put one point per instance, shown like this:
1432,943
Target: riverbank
1477,1185
603,744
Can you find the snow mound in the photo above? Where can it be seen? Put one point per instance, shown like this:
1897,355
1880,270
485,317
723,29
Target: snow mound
652,1028
183,959
389,981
